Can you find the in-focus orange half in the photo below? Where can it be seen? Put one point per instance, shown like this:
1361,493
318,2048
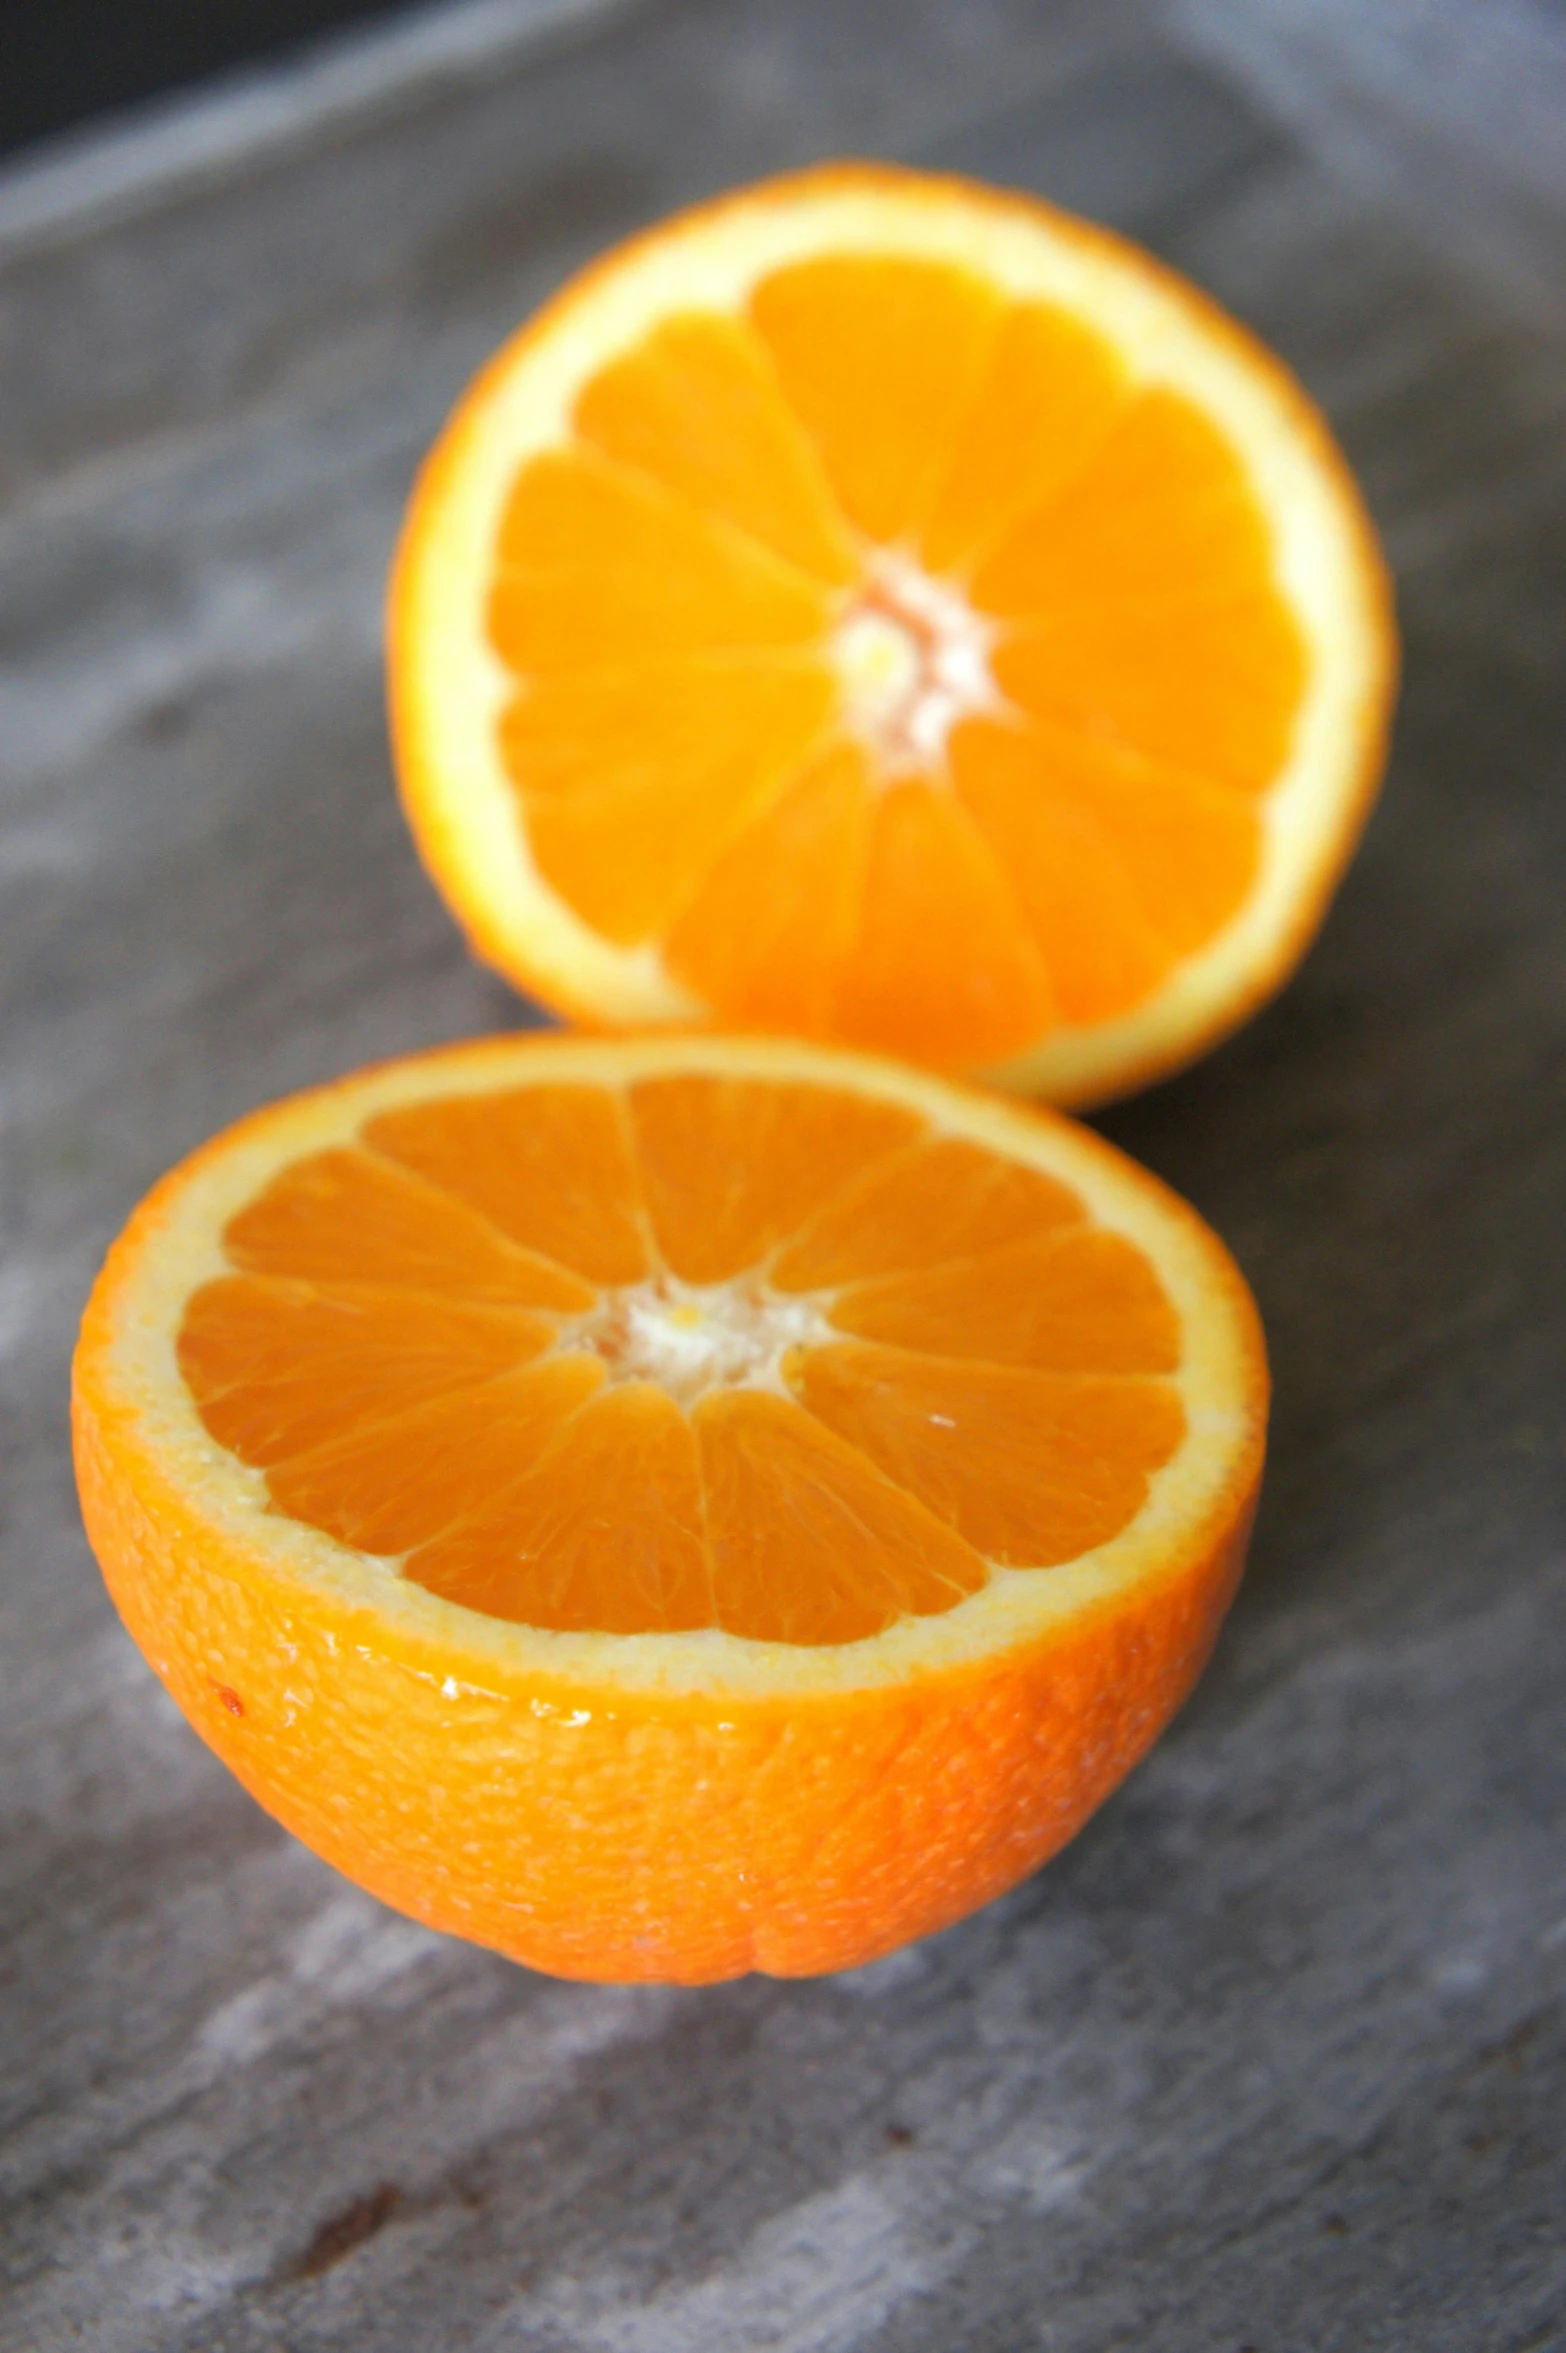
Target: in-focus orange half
673,1507
876,608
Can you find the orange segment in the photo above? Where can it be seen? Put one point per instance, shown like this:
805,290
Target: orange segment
1163,515
730,1169
878,356
1031,1468
935,1202
548,1166
1099,943
768,932
1120,866
386,1487
346,1216
605,1534
1076,1301
809,1544
1215,693
597,568
1150,608
1048,396
1189,850
626,819
942,967
573,735
698,407
277,1366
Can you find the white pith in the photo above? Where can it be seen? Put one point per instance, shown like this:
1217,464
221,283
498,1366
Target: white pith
912,658
464,807
689,1337
178,1247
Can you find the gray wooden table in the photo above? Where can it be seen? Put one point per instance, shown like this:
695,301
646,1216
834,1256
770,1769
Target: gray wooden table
1273,2057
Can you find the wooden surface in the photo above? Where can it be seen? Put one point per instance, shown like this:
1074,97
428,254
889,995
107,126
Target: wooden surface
1273,2057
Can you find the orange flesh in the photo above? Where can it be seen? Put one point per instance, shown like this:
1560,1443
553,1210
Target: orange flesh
668,589
429,1347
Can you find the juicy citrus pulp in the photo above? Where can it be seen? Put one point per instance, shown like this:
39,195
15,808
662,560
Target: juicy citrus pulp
873,607
561,1477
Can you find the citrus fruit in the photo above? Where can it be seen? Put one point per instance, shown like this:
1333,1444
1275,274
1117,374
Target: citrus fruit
669,1507
876,608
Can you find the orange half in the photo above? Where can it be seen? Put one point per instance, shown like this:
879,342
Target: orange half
876,608
670,1507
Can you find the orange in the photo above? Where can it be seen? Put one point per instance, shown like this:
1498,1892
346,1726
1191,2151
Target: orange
875,608
670,1507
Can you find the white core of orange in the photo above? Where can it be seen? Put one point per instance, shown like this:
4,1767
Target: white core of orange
912,658
692,1337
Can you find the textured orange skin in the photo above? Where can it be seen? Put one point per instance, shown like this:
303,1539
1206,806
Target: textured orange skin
676,1838
617,1835
1133,1068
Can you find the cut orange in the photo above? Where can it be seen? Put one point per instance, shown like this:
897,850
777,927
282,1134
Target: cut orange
875,608
671,1507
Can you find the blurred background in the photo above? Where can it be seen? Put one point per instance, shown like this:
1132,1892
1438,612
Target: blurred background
1273,2057
62,62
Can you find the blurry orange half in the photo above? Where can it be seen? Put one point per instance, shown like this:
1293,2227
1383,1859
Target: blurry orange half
881,609
676,1506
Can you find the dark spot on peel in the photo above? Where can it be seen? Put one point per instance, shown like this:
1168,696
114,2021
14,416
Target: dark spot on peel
231,1699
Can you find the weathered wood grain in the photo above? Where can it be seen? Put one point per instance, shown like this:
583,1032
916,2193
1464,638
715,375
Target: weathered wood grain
1273,2057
